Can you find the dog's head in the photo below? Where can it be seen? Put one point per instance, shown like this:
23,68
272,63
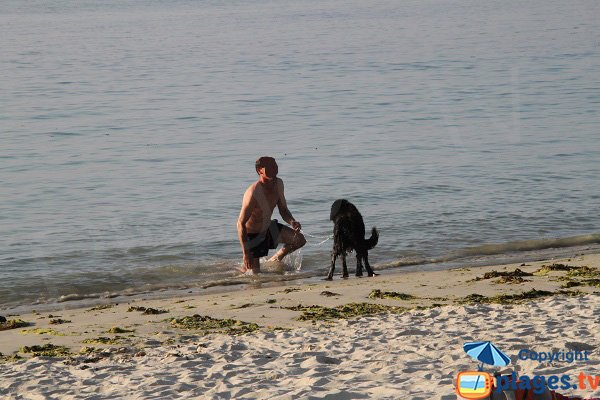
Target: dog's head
338,207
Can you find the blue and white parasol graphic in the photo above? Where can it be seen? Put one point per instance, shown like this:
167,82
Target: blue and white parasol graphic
487,353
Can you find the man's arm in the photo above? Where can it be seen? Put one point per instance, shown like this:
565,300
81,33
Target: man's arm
283,208
245,213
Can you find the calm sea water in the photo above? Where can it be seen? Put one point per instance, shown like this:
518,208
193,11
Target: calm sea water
129,129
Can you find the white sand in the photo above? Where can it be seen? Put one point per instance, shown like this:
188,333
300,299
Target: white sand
413,355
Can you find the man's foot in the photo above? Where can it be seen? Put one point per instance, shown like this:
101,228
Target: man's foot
275,258
246,271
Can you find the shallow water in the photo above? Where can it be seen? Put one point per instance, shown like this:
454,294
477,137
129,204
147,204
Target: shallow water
129,132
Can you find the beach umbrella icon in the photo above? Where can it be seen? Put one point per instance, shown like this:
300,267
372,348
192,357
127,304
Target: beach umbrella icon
487,353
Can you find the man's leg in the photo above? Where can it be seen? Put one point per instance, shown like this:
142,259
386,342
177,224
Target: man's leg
292,241
255,265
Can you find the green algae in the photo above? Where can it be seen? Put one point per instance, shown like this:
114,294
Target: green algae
105,340
378,294
582,282
327,293
515,276
346,311
101,307
584,272
147,311
216,325
545,269
9,359
246,305
41,331
575,275
14,324
513,298
87,350
59,321
116,329
46,350
92,354
511,280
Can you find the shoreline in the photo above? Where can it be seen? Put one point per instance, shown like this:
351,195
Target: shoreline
197,329
241,282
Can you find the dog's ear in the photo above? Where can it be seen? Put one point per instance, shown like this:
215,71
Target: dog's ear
335,208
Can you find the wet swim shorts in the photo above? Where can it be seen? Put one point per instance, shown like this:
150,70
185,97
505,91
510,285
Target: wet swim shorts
260,243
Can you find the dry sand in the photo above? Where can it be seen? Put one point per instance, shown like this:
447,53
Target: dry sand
411,353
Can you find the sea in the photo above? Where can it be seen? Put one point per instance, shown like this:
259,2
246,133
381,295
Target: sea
466,131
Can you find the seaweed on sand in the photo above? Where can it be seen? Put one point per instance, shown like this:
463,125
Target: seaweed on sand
320,313
86,350
116,329
216,325
101,307
46,350
545,269
512,298
59,321
290,290
515,276
105,340
584,272
7,359
378,294
575,275
582,282
13,324
246,305
147,311
41,331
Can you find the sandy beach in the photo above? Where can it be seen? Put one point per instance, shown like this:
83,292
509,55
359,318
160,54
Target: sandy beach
396,336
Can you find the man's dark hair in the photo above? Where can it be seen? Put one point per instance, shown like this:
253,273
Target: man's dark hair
266,162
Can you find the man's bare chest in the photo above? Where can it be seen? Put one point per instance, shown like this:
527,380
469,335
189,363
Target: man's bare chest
266,198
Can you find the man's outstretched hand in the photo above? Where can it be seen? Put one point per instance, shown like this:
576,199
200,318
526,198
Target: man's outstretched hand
296,226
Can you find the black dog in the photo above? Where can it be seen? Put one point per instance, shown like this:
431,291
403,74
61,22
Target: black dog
348,235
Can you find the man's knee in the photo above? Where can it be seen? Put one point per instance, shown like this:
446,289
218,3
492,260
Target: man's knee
301,240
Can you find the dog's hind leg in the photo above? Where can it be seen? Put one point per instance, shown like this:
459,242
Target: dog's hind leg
368,266
344,266
332,268
359,266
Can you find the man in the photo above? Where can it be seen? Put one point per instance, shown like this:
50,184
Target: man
256,231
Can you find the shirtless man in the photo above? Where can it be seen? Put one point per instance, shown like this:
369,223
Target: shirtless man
256,231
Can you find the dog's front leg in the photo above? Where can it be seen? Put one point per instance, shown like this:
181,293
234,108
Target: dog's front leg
344,266
332,268
359,266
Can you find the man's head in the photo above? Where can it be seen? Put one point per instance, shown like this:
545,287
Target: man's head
266,168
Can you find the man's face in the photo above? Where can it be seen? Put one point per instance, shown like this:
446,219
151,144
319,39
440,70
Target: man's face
267,174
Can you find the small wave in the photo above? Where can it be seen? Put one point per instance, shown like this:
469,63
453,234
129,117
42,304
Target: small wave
521,245
495,253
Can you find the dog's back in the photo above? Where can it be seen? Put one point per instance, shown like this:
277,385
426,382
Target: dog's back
349,226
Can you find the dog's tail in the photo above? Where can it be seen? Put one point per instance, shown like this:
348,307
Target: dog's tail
372,241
